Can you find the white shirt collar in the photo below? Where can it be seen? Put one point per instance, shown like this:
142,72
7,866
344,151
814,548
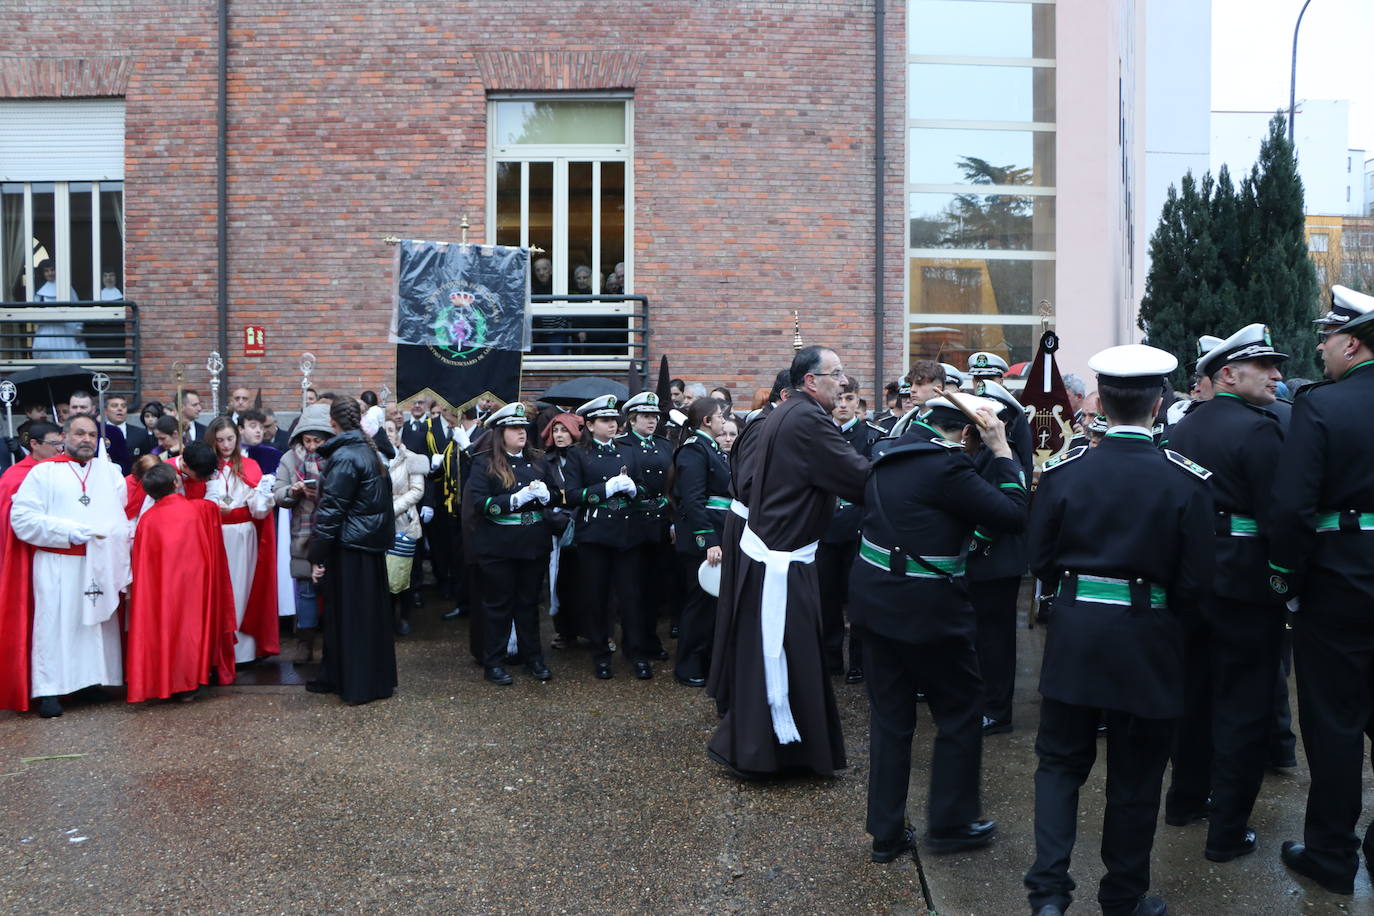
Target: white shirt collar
1138,430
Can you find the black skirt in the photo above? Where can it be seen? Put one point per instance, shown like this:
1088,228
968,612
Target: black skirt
359,657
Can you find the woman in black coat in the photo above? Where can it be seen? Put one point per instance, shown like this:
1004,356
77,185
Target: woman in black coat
511,488
354,526
701,493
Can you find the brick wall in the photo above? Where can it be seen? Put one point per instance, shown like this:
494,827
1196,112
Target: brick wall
350,121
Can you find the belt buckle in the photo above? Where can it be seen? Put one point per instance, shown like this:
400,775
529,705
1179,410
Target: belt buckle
527,518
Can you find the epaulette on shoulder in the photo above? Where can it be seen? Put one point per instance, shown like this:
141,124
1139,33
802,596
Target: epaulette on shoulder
1188,464
876,427
939,440
1065,458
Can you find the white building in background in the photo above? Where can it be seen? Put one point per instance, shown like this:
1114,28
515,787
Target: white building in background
1369,187
1332,173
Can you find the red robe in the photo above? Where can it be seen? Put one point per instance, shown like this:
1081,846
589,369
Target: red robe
181,603
16,598
134,500
260,617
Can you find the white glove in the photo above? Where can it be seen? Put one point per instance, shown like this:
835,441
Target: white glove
80,535
267,483
540,491
520,497
435,461
426,514
612,487
462,437
627,486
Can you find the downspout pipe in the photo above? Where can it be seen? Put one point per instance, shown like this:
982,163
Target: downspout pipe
222,190
879,170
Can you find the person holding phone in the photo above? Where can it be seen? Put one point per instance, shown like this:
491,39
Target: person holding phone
297,489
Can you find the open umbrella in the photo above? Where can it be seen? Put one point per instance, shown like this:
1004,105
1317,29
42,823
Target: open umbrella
50,385
577,391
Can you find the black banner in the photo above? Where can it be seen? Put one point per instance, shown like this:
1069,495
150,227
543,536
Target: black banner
463,298
457,381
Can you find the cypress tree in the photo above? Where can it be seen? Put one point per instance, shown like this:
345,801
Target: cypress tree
1280,283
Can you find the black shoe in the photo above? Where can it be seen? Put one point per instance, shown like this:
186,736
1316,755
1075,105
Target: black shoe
1150,906
319,687
1294,855
957,839
603,671
452,615
416,599
402,626
498,675
1247,844
854,675
674,631
660,656
888,850
695,681
1279,764
538,670
643,670
1185,818
993,727
49,708
1368,848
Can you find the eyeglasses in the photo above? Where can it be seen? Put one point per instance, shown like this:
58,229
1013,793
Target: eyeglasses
836,374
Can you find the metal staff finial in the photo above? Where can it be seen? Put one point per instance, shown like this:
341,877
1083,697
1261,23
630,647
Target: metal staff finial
384,395
307,367
179,371
101,383
797,343
464,226
214,365
8,393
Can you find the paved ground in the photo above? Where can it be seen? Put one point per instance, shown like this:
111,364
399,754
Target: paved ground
576,796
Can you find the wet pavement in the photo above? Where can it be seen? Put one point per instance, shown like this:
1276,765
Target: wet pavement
575,796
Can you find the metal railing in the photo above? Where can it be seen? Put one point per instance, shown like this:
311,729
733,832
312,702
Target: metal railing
587,335
101,338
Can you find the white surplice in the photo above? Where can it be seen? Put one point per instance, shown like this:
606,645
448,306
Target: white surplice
241,546
76,640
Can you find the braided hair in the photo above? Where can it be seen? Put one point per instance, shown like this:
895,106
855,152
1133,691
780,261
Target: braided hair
346,415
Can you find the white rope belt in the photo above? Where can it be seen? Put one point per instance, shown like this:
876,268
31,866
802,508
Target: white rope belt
773,619
739,509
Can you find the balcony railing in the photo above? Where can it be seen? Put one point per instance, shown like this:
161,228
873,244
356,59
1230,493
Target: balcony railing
101,338
604,335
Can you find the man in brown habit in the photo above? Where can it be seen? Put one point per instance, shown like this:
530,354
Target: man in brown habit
781,716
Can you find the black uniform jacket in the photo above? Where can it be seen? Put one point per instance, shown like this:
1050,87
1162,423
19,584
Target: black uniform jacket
1003,556
702,473
1327,466
1240,444
932,496
354,509
649,514
599,520
503,531
844,527
1124,510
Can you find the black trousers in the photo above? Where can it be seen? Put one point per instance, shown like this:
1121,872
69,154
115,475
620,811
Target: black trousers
610,571
698,628
1137,750
833,562
949,669
994,603
657,585
568,621
510,593
1283,744
437,546
1335,668
1222,744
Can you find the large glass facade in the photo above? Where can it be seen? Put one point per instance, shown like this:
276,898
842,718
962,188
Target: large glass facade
980,176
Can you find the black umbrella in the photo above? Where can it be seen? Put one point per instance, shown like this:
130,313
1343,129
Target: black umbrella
51,385
581,390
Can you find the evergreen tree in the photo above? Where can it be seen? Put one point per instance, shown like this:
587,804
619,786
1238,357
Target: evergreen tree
1280,283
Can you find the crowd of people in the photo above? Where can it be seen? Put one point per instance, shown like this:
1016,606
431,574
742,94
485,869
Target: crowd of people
802,540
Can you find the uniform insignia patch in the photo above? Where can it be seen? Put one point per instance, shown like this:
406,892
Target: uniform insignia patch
1065,458
1278,585
701,541
1189,465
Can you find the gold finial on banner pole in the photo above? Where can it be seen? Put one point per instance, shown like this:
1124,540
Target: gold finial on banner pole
464,226
797,343
1045,312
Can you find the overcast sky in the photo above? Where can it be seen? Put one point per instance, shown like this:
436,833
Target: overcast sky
1252,44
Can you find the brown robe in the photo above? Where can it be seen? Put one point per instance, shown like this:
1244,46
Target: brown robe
793,470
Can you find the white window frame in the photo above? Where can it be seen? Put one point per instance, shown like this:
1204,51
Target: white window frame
62,259
561,155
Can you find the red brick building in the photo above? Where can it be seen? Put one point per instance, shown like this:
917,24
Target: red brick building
741,189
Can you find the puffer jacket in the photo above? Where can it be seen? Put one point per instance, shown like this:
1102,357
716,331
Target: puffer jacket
354,509
408,472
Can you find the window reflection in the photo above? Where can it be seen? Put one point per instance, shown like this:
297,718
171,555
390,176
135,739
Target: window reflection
998,221
955,343
547,122
508,203
979,286
942,155
968,28
981,93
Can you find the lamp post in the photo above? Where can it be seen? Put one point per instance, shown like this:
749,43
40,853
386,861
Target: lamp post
1293,73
